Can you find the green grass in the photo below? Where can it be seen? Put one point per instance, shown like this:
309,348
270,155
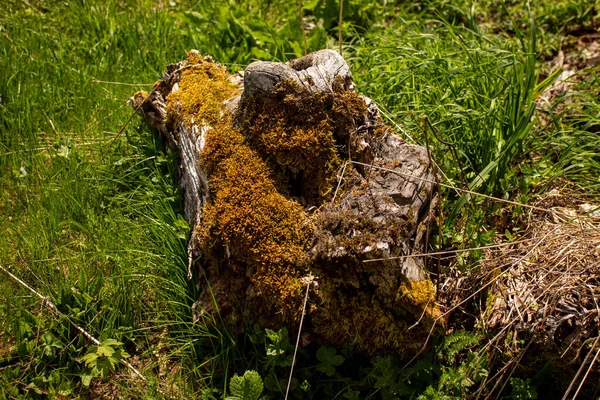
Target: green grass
89,219
480,94
570,145
94,221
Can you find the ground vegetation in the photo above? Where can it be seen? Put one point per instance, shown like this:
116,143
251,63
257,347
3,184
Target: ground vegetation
504,94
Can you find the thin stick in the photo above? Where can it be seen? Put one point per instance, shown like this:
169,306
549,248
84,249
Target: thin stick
340,25
422,315
586,373
127,122
299,2
439,225
94,80
463,180
580,370
441,253
50,122
438,187
516,364
287,391
46,300
455,188
339,182
435,321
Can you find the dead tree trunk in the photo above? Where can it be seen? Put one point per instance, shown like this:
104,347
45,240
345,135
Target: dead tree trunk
289,175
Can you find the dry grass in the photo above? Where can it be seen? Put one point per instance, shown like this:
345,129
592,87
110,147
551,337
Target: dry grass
542,293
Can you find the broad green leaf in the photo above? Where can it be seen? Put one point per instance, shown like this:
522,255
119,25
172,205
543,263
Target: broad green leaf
280,342
329,360
86,380
89,359
105,350
247,387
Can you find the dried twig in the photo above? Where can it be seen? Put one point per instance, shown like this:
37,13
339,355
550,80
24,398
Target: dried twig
52,307
586,373
566,395
308,281
450,252
94,80
50,122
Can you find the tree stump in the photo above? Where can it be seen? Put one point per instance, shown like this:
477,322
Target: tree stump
290,176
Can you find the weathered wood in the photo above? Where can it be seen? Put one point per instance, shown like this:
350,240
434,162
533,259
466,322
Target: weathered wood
377,210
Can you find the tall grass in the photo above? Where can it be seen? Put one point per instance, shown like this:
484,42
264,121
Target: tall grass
94,224
477,92
480,93
569,147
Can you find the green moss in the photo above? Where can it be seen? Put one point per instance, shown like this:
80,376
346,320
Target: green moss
491,293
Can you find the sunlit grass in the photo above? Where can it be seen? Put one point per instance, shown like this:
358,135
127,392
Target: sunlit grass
94,221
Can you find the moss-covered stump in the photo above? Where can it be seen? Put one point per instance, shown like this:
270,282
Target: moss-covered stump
290,176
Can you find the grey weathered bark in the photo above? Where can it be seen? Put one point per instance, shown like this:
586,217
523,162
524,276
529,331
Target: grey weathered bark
382,208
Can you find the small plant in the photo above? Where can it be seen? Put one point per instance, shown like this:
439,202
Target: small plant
462,367
328,360
247,387
454,344
102,360
279,346
522,389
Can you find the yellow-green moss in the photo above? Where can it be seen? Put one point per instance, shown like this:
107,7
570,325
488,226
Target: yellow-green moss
247,216
419,296
347,314
492,295
359,318
203,88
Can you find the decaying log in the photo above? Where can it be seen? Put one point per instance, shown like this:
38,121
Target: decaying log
288,174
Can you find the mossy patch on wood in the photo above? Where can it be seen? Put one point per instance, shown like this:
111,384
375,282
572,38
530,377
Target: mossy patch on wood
267,164
247,218
203,88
